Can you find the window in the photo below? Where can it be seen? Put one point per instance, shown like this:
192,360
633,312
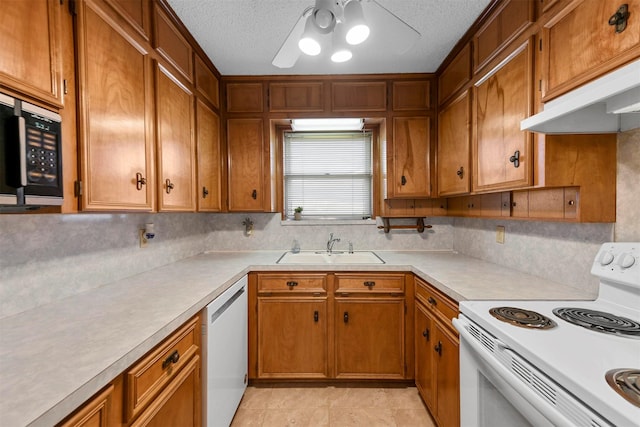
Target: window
329,174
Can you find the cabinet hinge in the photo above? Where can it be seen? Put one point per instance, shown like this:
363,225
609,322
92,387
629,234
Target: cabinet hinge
540,43
540,85
65,88
268,99
77,188
73,7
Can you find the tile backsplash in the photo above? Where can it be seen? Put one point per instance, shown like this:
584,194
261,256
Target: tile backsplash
48,257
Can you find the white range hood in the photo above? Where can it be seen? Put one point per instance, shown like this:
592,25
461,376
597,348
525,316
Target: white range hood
609,104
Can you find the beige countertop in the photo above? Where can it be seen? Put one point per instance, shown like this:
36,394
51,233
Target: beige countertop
55,357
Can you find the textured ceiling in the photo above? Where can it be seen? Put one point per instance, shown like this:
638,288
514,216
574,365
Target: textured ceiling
241,37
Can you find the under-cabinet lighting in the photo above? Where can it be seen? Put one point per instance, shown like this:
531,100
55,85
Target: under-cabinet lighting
301,125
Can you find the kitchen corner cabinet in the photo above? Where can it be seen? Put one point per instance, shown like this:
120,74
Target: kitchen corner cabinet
437,373
209,157
31,53
408,157
454,146
246,152
175,143
502,99
115,87
162,388
292,326
579,45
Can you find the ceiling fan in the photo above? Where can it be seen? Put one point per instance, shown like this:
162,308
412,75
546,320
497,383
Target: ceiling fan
349,22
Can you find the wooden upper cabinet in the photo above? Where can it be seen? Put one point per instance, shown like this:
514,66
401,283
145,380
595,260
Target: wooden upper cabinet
172,45
207,83
409,160
246,153
244,98
358,96
209,156
506,23
411,95
501,151
296,97
580,45
455,75
176,144
30,48
136,13
454,146
115,88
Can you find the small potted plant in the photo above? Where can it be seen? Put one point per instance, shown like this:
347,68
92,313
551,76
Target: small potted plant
298,213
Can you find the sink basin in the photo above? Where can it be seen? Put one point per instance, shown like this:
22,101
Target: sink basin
320,257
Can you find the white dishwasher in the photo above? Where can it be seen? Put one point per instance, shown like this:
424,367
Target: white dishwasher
225,352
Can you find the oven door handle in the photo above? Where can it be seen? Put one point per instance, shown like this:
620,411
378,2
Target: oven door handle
548,410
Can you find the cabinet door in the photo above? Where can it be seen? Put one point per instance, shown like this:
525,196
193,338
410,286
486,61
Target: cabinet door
358,96
246,148
446,352
209,159
410,176
95,413
411,95
455,75
296,96
179,403
580,45
172,45
115,114
244,97
292,338
30,48
206,82
425,370
454,145
369,338
501,151
176,144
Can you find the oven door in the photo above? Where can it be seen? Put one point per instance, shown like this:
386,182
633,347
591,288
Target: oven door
500,388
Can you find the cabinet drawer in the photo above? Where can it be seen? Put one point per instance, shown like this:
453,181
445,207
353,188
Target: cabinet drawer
145,379
436,301
369,283
307,283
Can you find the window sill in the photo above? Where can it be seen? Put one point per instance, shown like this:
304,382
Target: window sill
312,222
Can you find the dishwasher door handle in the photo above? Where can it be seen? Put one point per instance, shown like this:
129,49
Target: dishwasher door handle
226,305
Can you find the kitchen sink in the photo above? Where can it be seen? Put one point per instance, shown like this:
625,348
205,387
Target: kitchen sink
336,257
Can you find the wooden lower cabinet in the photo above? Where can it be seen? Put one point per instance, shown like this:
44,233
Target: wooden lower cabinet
437,368
320,326
369,338
163,388
292,337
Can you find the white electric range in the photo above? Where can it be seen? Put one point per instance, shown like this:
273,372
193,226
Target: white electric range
526,363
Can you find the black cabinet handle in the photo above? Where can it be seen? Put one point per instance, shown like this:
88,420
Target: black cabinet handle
370,284
316,316
205,192
619,19
438,348
345,317
254,194
169,185
460,172
403,180
432,301
291,284
425,334
171,359
140,181
515,159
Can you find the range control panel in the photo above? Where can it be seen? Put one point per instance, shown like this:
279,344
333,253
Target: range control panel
619,262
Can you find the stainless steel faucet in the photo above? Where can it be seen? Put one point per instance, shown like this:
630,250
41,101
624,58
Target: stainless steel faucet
330,243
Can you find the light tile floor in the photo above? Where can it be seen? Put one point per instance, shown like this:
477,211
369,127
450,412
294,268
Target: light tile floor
332,406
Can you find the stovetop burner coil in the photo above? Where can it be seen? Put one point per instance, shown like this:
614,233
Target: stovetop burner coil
522,318
626,382
599,321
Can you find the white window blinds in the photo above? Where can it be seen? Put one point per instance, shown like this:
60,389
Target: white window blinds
328,174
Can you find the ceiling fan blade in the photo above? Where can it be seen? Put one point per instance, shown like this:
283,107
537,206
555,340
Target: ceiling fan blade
289,52
400,35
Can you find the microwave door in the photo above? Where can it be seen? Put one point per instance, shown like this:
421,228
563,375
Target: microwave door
8,195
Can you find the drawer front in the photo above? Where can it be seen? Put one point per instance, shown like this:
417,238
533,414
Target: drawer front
287,283
150,375
436,301
370,283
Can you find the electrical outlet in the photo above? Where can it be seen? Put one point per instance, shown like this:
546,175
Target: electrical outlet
143,240
500,234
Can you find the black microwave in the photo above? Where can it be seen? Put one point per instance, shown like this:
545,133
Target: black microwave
30,155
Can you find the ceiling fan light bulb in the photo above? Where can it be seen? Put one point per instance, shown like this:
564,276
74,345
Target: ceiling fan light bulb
342,55
309,43
357,34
